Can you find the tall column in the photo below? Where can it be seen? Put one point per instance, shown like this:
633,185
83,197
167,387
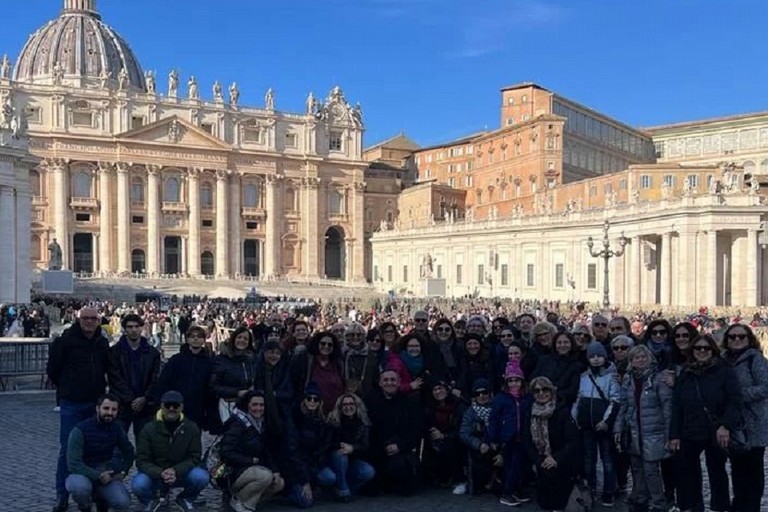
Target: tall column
271,258
312,218
711,257
686,266
23,265
123,219
358,249
636,270
58,170
153,219
666,269
194,222
8,235
236,244
222,223
105,218
751,254
184,243
97,243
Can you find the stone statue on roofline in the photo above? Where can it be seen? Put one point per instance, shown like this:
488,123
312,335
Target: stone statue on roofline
234,94
173,83
269,99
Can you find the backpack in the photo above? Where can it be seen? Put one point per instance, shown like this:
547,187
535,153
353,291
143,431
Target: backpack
216,467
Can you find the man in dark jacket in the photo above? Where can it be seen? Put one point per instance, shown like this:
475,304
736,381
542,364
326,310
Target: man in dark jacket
189,373
77,365
396,429
168,454
90,457
133,366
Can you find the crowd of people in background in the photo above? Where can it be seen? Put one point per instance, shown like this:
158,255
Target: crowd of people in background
517,399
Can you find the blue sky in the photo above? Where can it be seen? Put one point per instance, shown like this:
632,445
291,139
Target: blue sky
433,68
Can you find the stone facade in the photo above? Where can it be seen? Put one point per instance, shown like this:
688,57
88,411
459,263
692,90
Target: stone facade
135,179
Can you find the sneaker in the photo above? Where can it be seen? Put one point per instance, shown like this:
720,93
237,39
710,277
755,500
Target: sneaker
521,497
185,505
57,409
460,488
61,506
509,500
607,500
237,505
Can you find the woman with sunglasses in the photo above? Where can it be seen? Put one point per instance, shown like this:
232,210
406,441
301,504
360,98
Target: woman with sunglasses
620,348
320,363
360,363
444,339
553,443
248,450
473,433
658,338
583,337
350,428
414,363
389,335
309,446
706,406
749,363
646,411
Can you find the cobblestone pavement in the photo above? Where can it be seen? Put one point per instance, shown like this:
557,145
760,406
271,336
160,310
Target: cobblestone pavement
29,447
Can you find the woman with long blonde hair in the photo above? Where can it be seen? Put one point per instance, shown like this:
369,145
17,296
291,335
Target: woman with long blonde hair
351,426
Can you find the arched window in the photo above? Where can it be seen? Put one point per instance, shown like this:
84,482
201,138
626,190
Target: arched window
82,185
290,200
172,191
206,263
137,190
35,248
251,196
206,195
34,183
336,201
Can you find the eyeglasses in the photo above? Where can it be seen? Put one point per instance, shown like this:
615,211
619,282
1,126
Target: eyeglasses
420,320
702,348
312,398
443,329
660,332
481,392
375,340
171,406
325,344
620,347
89,318
739,337
600,324
541,391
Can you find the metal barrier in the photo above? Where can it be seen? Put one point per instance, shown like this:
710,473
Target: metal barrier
23,359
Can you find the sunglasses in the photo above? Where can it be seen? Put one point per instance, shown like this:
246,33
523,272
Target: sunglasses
420,320
481,392
702,348
171,406
541,391
325,344
739,337
444,329
620,347
659,332
312,398
600,324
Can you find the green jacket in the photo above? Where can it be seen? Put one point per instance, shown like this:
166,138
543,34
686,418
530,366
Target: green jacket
157,449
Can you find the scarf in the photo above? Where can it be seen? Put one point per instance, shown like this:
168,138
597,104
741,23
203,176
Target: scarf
540,415
351,352
517,393
249,420
446,349
701,367
483,412
414,364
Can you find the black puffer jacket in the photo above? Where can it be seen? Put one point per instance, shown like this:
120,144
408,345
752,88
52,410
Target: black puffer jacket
241,443
564,372
77,365
189,374
354,432
718,391
309,441
232,373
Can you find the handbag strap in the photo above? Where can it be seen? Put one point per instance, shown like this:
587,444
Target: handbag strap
599,391
711,417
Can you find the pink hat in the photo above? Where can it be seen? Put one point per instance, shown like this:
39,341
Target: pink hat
513,371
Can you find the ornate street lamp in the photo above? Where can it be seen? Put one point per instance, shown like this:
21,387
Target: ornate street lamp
606,253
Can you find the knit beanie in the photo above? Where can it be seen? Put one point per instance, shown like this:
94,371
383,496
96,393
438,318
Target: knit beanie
596,349
513,371
311,389
481,383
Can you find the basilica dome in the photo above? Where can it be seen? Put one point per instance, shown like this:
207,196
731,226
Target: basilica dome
81,49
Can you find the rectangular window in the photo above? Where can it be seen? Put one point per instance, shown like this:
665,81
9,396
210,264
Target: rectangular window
137,122
252,225
439,273
451,182
660,149
375,273
530,278
504,274
481,274
451,168
207,128
83,217
137,219
693,179
459,272
470,165
334,141
207,223
389,273
646,181
405,273
592,276
82,119
559,271
291,140
623,184
252,135
669,180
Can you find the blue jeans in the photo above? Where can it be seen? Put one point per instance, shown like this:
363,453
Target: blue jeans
351,474
594,441
70,414
193,483
114,493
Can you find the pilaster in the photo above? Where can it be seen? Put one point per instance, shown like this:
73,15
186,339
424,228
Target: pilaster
153,219
123,219
666,269
222,224
194,221
105,217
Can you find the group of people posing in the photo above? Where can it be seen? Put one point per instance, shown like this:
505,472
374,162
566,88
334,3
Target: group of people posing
477,406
